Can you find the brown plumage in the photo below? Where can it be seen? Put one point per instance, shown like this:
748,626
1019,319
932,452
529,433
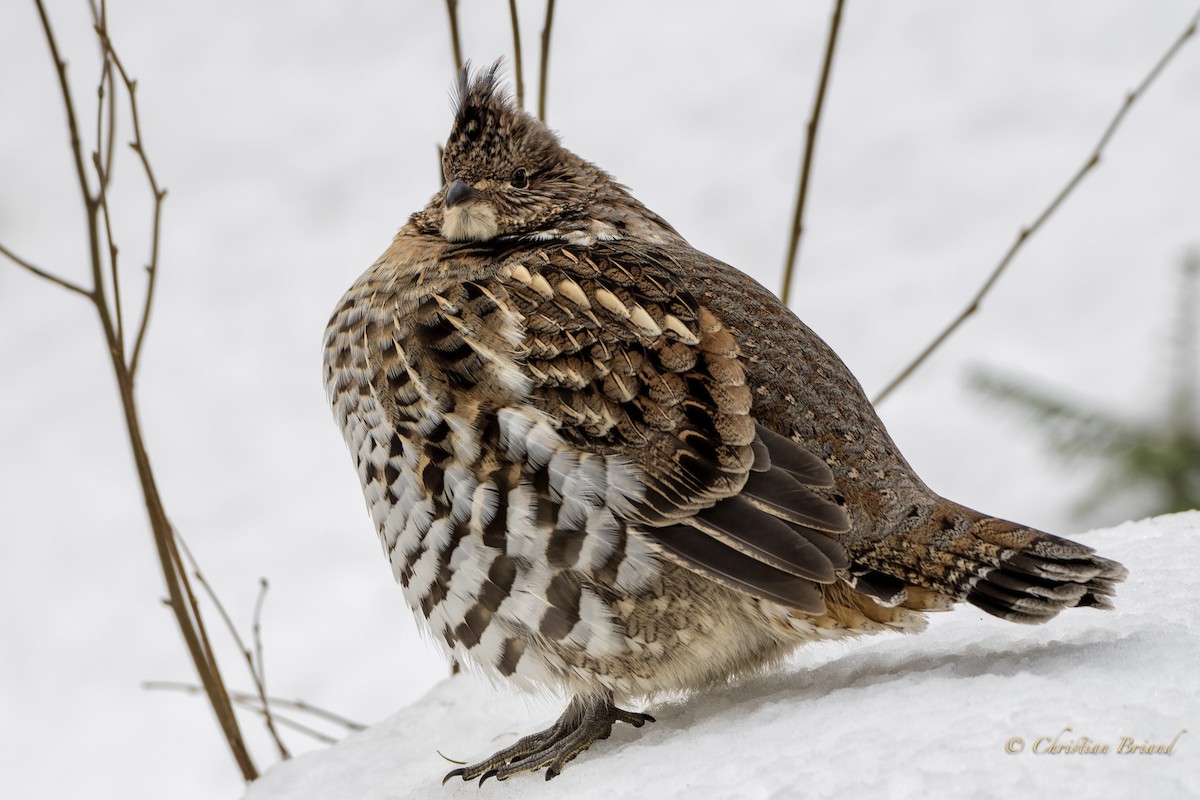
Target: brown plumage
604,462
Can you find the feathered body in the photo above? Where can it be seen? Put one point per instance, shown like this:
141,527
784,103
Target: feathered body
604,462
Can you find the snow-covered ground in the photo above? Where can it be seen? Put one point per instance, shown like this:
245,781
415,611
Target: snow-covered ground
972,707
294,138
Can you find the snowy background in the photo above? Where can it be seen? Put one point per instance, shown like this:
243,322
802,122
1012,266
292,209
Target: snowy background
294,139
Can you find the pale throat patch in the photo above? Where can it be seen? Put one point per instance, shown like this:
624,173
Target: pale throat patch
470,222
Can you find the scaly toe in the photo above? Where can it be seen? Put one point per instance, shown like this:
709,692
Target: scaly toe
582,724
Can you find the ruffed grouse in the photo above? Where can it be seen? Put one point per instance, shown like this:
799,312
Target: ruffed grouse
604,462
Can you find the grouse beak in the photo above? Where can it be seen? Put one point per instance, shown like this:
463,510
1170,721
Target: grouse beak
469,217
459,192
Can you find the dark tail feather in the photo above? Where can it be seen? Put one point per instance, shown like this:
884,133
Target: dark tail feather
1008,570
1034,584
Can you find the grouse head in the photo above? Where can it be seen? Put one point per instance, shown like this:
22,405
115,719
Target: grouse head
506,173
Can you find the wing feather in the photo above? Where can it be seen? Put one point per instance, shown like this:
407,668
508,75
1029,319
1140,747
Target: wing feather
690,548
628,364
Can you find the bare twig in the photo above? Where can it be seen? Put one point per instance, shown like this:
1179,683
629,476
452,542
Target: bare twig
102,194
1023,235
308,708
152,266
276,702
41,273
193,605
452,12
286,722
159,192
180,597
516,28
247,654
261,679
545,67
100,19
250,702
196,635
256,628
789,264
72,125
102,158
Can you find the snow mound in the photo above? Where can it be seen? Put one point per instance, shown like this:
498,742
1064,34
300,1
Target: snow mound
887,716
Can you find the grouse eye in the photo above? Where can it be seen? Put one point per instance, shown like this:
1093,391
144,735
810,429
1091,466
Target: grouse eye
520,178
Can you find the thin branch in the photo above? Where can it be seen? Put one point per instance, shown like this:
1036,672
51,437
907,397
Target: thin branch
789,264
256,628
186,611
1023,235
69,104
452,12
112,246
159,193
246,652
256,635
516,28
103,163
286,722
278,702
178,549
200,645
545,67
216,601
300,705
111,138
247,701
41,273
105,91
151,267
96,295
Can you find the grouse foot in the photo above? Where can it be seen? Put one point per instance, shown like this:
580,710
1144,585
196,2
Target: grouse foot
585,721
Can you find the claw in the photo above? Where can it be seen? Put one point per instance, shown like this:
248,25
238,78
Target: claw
585,722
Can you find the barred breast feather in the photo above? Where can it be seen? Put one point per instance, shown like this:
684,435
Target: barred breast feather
543,438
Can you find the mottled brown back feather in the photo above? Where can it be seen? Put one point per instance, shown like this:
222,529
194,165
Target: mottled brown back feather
627,362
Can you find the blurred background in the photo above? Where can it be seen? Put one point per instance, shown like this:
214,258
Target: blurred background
295,138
